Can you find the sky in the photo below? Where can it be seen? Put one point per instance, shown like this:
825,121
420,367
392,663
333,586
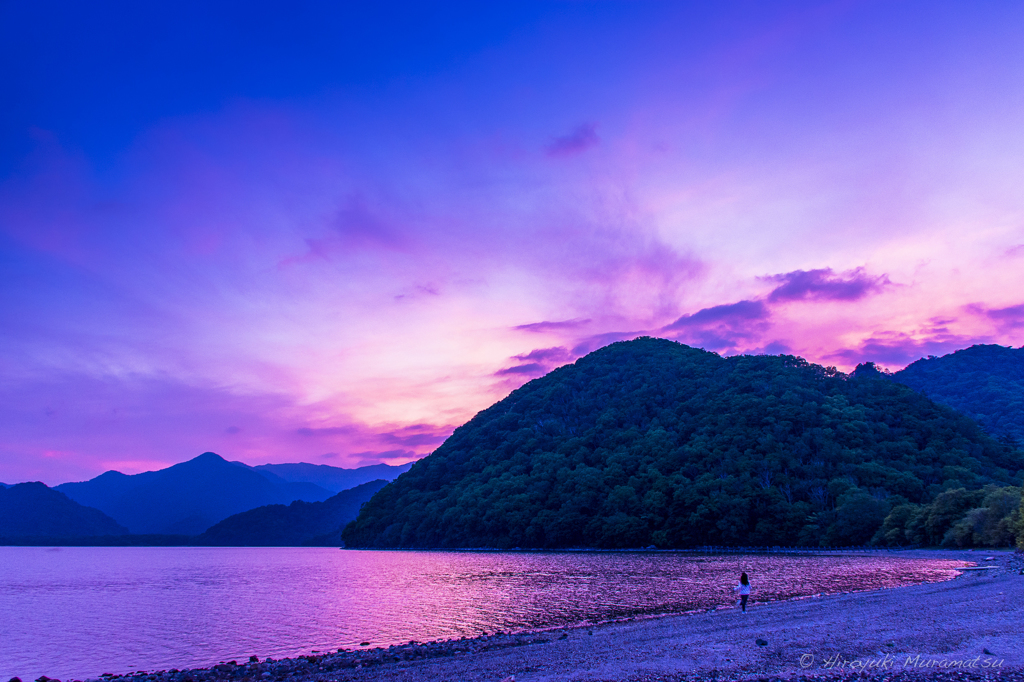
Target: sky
332,232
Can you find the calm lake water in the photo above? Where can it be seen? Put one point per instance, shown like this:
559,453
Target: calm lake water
77,612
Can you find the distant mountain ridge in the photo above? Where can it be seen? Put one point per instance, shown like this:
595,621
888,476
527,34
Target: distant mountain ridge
300,523
333,478
985,382
189,497
33,509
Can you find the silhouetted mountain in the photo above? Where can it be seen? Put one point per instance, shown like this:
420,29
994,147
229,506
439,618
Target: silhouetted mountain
300,523
32,509
186,498
652,442
985,382
331,478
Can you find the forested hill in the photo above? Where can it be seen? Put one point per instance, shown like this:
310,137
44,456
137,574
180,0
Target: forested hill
984,382
300,523
653,442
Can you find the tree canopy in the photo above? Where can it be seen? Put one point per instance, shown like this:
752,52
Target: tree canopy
985,382
653,442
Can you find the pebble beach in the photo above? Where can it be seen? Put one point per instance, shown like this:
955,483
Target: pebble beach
968,628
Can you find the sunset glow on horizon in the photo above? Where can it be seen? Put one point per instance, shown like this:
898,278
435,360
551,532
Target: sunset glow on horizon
333,235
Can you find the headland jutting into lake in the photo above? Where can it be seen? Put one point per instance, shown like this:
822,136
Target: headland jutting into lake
968,628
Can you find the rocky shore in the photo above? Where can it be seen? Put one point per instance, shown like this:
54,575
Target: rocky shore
967,629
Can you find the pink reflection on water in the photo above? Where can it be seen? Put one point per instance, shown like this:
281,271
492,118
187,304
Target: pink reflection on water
82,611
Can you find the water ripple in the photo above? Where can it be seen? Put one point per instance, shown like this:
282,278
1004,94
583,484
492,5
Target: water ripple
82,611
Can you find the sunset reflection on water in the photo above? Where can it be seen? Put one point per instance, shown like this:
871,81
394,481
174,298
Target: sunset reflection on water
80,612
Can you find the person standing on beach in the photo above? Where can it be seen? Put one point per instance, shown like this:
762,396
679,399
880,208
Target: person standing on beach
744,589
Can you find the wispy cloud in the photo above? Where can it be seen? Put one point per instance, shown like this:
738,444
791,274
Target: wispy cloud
415,436
591,343
578,141
288,276
824,284
541,327
537,362
140,422
547,355
898,349
722,327
730,314
529,369
355,226
1008,318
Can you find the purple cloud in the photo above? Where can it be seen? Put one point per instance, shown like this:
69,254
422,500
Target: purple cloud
360,225
1010,317
325,431
823,285
729,314
529,369
537,362
556,354
417,435
552,326
578,141
75,426
1015,251
722,327
355,226
384,457
592,343
772,348
899,349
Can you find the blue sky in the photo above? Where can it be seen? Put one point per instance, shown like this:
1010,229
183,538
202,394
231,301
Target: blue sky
332,232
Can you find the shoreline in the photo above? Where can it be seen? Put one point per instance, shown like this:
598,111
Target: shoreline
967,627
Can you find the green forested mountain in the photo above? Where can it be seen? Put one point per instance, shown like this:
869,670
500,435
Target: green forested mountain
299,523
984,382
653,442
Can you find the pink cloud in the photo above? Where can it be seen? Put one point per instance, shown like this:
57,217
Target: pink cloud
138,423
414,243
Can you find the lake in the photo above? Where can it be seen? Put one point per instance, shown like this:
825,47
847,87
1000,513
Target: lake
78,612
